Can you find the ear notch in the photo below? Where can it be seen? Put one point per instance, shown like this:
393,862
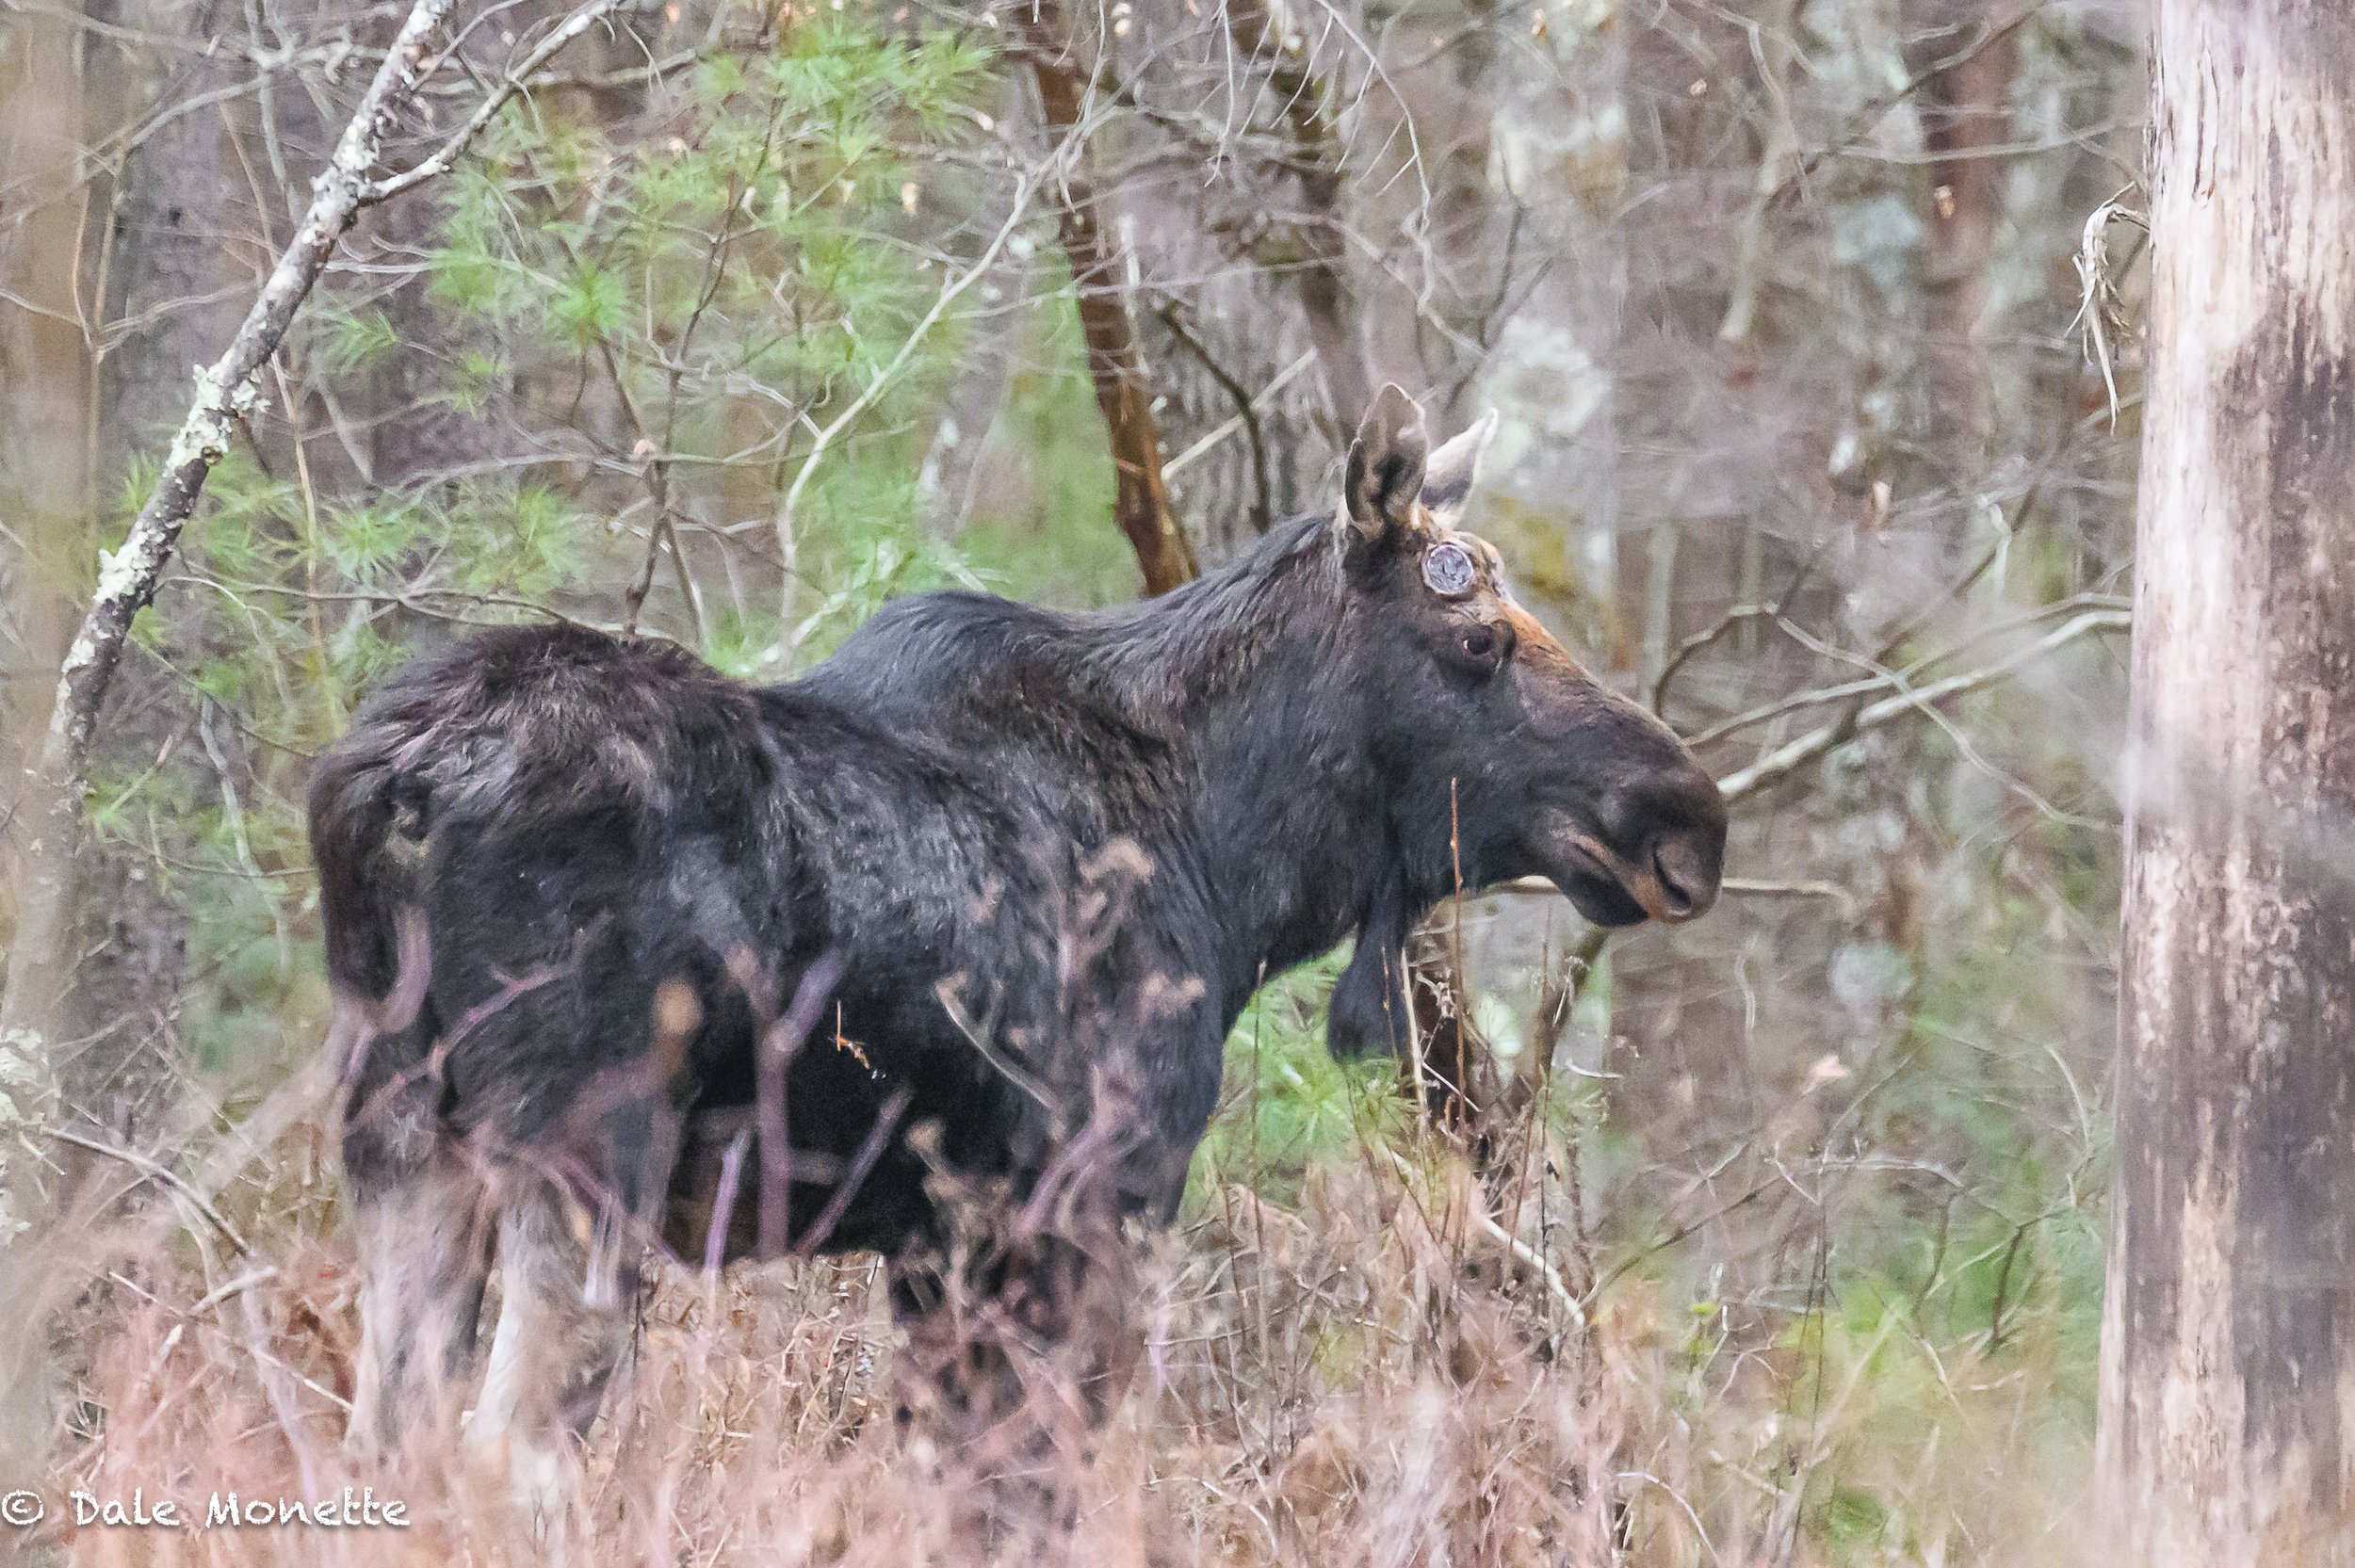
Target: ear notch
1386,465
1455,468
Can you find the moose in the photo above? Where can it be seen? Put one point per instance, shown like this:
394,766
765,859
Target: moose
973,904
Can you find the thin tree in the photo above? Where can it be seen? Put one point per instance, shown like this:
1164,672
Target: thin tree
2227,1430
1141,498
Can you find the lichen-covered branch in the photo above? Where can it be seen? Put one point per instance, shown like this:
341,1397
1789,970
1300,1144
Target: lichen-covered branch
445,157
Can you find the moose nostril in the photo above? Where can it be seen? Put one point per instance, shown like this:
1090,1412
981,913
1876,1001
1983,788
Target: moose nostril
1675,900
1687,888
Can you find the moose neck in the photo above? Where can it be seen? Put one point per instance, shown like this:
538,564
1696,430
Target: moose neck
1279,804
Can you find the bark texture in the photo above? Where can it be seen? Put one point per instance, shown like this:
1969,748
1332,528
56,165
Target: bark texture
2228,1376
45,407
174,275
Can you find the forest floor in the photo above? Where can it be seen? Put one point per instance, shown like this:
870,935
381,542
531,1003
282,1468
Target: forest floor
1357,1349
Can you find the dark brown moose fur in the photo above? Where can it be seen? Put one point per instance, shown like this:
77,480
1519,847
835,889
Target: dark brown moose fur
986,892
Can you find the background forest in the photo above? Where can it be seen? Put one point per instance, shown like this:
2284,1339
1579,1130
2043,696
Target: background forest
1773,1238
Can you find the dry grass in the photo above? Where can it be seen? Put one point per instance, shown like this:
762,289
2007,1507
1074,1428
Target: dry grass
1392,1367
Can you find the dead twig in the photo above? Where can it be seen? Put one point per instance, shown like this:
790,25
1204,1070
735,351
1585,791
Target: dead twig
2100,313
159,1172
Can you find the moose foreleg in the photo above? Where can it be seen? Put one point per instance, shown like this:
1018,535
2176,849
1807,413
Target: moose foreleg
424,1253
567,1279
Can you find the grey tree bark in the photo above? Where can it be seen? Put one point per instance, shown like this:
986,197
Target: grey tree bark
2227,1430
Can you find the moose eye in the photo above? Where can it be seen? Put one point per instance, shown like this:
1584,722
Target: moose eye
1447,570
1478,644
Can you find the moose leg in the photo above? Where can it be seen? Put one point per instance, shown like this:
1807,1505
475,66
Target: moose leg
567,1279
424,1243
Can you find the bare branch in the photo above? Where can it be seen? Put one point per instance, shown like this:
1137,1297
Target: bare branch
163,1175
1782,762
1885,680
1325,292
789,510
1262,504
1860,124
1261,401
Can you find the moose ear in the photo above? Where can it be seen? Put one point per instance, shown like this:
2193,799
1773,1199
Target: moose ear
1386,465
1455,468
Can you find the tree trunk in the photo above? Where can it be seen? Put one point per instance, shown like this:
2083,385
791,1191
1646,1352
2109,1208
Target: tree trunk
2228,1359
44,495
46,394
1965,56
173,261
1141,501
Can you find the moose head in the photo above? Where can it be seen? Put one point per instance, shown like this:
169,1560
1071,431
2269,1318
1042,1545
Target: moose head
1500,756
